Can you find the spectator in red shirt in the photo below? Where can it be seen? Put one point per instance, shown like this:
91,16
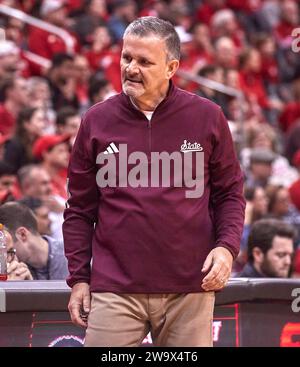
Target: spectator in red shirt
269,66
10,62
251,80
207,9
226,53
246,6
15,30
94,14
53,152
68,122
103,56
155,8
42,42
289,21
201,47
14,96
62,81
224,23
82,73
291,111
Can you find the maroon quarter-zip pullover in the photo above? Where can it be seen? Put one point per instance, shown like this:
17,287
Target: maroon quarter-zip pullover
151,239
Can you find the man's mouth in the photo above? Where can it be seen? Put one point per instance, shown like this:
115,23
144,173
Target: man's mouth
133,80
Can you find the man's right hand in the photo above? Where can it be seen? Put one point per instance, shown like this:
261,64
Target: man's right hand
80,303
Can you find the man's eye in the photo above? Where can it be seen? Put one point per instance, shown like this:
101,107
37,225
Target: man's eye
126,57
145,62
281,255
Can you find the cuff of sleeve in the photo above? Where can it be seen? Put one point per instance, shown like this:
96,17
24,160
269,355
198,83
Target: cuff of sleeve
234,252
71,282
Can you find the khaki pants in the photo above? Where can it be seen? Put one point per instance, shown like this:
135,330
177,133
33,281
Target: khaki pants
174,320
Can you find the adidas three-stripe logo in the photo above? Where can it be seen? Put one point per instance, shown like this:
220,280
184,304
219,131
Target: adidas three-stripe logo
111,149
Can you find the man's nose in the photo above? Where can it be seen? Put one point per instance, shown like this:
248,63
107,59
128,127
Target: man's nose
288,260
132,68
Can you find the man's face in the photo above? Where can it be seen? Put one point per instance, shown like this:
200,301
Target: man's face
260,201
59,155
277,261
82,69
66,70
72,125
226,53
35,126
261,170
102,36
9,64
58,17
38,185
43,221
7,182
282,203
145,70
19,93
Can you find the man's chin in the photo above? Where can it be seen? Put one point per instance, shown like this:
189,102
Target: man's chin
132,91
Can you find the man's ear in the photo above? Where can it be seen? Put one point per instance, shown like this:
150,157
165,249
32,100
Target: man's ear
172,68
21,234
258,255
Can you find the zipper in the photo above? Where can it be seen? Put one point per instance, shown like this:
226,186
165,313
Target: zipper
150,138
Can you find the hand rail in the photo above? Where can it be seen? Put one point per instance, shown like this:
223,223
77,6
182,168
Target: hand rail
219,87
60,32
37,59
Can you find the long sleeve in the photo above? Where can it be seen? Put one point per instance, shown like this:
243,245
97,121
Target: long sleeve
227,200
82,208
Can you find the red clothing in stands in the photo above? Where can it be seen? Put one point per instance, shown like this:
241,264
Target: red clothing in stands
283,33
289,115
7,121
59,185
295,194
269,70
46,44
109,62
252,85
247,6
205,13
296,265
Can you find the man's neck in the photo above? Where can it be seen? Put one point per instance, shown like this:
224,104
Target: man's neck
40,253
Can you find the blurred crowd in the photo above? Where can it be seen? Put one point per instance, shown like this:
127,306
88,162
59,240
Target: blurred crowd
47,84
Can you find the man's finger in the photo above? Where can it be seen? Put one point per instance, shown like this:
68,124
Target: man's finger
218,282
11,267
213,272
207,263
74,310
86,303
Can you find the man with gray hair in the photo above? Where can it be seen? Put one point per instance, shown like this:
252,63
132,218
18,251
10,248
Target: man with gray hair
35,182
158,254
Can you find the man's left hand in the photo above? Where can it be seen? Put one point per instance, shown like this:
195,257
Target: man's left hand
219,261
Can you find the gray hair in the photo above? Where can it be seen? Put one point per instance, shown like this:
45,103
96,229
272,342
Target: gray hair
24,173
145,26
